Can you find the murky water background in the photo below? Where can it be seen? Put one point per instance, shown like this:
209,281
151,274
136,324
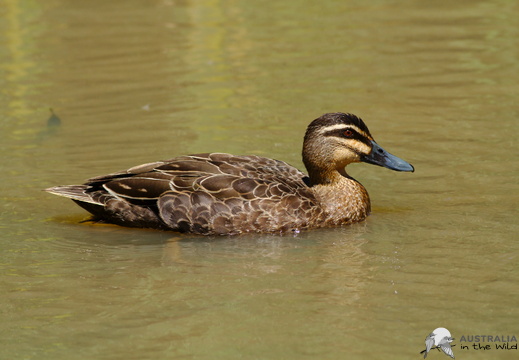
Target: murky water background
138,81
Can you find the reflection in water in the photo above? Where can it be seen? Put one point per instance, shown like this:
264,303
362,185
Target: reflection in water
134,83
20,67
262,281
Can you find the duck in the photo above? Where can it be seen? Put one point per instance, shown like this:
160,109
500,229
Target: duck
224,194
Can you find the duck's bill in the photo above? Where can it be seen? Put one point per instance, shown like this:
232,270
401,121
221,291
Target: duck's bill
381,157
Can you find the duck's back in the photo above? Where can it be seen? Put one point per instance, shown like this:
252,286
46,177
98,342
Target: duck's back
205,193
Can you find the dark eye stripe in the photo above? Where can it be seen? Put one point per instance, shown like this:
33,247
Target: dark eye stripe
355,135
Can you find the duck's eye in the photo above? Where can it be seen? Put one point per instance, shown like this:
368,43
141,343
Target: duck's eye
348,133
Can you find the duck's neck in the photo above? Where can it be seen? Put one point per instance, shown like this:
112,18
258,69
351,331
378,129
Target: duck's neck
325,176
344,198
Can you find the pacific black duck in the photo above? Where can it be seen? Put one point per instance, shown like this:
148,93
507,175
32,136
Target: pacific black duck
224,194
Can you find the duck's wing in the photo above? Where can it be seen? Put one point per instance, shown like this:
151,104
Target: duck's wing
222,175
203,193
234,194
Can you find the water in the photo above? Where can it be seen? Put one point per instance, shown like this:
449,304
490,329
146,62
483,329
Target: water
134,82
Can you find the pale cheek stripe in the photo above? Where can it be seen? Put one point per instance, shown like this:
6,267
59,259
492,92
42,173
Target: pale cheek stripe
357,146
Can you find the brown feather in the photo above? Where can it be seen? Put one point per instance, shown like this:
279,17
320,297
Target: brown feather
224,194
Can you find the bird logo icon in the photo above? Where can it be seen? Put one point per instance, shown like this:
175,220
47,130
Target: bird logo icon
439,339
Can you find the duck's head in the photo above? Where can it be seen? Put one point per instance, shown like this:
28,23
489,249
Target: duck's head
335,140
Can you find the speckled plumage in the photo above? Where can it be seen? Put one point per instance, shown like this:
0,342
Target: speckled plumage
223,194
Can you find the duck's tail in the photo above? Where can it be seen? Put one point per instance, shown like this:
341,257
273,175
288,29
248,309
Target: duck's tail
74,192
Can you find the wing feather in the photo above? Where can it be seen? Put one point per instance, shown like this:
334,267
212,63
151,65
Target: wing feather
213,193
